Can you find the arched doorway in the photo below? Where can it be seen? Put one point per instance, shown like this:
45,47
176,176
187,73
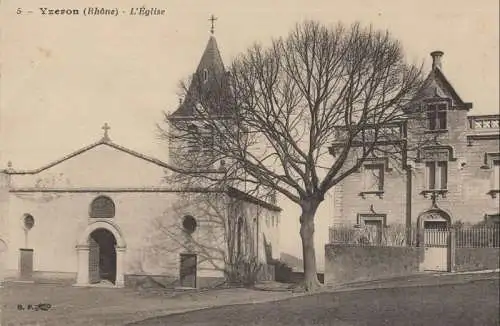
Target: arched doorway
101,250
434,230
434,219
102,256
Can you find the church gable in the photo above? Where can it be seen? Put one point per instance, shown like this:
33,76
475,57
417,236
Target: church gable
102,165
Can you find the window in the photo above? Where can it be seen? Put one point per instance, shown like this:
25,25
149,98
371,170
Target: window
189,224
29,221
372,227
207,138
437,175
193,137
493,219
239,237
205,75
373,177
436,116
102,207
496,175
374,231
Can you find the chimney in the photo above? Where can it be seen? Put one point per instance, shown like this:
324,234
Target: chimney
436,59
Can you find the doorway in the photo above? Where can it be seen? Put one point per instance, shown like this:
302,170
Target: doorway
188,270
102,256
436,242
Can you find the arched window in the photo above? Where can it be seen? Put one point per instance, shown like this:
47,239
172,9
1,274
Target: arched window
102,207
189,224
239,236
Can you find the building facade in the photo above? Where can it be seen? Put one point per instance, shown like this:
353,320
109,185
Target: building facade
452,178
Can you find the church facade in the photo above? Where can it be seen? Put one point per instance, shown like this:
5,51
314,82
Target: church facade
108,215
453,179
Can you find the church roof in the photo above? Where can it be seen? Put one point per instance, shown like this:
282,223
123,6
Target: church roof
208,86
105,141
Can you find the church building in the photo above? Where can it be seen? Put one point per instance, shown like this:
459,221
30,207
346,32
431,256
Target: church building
106,215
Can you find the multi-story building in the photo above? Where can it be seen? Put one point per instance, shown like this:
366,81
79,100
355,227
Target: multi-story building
453,178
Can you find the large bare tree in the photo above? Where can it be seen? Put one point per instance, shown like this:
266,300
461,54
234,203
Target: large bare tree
274,115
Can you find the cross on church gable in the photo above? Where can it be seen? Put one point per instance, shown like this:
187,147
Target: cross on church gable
106,128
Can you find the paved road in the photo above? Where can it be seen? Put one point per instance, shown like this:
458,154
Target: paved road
469,304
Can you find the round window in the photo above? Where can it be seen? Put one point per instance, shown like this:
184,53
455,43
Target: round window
29,221
189,224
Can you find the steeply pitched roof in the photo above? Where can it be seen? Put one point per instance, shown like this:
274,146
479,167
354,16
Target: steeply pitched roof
211,58
436,85
209,84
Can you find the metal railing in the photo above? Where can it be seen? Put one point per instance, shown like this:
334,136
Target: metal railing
361,235
397,235
484,236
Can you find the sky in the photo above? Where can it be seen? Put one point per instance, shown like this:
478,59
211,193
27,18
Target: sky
62,77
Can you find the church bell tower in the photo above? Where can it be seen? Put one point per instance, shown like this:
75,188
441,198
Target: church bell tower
207,95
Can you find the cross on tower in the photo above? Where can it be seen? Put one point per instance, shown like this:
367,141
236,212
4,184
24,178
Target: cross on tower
106,127
212,20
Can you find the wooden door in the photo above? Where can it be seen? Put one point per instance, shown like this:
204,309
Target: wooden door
26,265
94,254
188,270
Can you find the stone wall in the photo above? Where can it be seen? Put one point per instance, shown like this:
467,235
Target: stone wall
474,259
350,263
346,263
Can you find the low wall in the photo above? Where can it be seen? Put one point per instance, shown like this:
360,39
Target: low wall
168,282
475,259
344,263
266,273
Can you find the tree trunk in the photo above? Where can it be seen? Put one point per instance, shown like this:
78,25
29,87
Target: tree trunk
309,208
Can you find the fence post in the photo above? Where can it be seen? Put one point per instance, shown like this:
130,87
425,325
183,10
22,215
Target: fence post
451,250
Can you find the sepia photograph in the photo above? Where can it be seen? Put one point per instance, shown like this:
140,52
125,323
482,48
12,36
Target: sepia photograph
249,163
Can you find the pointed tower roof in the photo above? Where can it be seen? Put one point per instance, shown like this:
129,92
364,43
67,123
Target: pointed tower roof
211,58
208,85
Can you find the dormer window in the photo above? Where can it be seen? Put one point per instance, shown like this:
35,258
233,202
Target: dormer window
205,75
436,116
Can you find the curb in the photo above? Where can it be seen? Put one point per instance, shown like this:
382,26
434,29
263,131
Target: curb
379,284
412,276
339,289
183,311
485,271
